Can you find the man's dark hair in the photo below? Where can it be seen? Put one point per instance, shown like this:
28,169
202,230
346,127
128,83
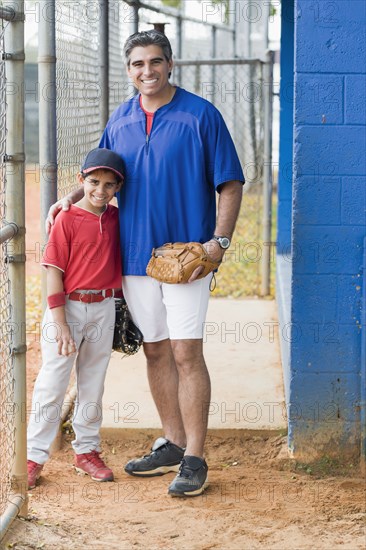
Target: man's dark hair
147,38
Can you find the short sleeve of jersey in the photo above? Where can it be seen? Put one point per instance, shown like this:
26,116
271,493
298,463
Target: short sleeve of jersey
222,160
57,249
104,140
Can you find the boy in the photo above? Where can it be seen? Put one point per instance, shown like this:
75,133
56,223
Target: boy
83,264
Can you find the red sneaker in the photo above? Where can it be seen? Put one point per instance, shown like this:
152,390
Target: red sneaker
93,465
34,471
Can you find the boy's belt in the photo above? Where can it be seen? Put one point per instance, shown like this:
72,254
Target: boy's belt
91,296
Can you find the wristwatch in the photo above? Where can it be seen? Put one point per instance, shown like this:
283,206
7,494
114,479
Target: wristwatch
224,242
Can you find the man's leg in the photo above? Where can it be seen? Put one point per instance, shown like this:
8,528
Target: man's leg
144,299
186,307
194,392
163,379
182,308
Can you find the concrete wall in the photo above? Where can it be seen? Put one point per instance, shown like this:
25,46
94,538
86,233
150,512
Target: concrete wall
328,228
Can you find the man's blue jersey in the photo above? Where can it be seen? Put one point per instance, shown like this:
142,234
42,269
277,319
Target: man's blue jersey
171,176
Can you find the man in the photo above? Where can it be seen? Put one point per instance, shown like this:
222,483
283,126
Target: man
178,152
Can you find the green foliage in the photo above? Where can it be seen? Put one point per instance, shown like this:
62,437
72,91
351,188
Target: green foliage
171,3
325,466
272,10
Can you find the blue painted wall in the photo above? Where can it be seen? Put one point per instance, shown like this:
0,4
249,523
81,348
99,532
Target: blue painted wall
286,129
284,216
328,210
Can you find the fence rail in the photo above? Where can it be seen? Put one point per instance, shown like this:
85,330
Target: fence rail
172,12
8,13
8,231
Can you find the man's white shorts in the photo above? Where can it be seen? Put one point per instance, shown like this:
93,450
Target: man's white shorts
163,310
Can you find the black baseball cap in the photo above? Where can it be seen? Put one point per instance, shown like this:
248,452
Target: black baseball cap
103,158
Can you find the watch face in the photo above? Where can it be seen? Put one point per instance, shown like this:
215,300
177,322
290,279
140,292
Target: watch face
224,242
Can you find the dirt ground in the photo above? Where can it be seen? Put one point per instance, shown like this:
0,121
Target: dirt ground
257,497
255,500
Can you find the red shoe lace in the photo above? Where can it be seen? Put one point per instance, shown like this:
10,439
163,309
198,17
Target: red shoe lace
95,459
31,465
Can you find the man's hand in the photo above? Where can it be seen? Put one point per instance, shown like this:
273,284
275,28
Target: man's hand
62,204
214,251
65,342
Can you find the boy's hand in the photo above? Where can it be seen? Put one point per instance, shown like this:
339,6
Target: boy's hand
65,343
62,204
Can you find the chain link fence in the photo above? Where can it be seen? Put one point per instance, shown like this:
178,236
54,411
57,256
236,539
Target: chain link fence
77,87
7,430
237,88
120,27
12,288
78,92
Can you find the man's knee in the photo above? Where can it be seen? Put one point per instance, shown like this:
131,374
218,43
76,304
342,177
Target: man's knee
157,351
188,354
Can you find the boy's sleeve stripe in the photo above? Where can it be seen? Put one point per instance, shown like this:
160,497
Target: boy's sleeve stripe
52,265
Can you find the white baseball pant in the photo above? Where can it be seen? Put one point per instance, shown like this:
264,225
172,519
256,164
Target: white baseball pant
92,326
162,310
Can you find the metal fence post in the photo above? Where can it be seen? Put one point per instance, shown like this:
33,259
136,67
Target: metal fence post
267,172
266,15
104,63
47,119
136,7
179,47
231,20
15,203
214,54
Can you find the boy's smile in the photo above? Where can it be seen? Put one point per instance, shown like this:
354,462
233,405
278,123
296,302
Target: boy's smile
100,187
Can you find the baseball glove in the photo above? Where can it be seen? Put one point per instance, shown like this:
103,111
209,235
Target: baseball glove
175,262
127,336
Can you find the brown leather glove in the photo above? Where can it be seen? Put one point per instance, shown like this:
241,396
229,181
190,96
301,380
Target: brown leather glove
175,262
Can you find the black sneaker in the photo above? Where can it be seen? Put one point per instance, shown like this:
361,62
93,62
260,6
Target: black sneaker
164,457
191,480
